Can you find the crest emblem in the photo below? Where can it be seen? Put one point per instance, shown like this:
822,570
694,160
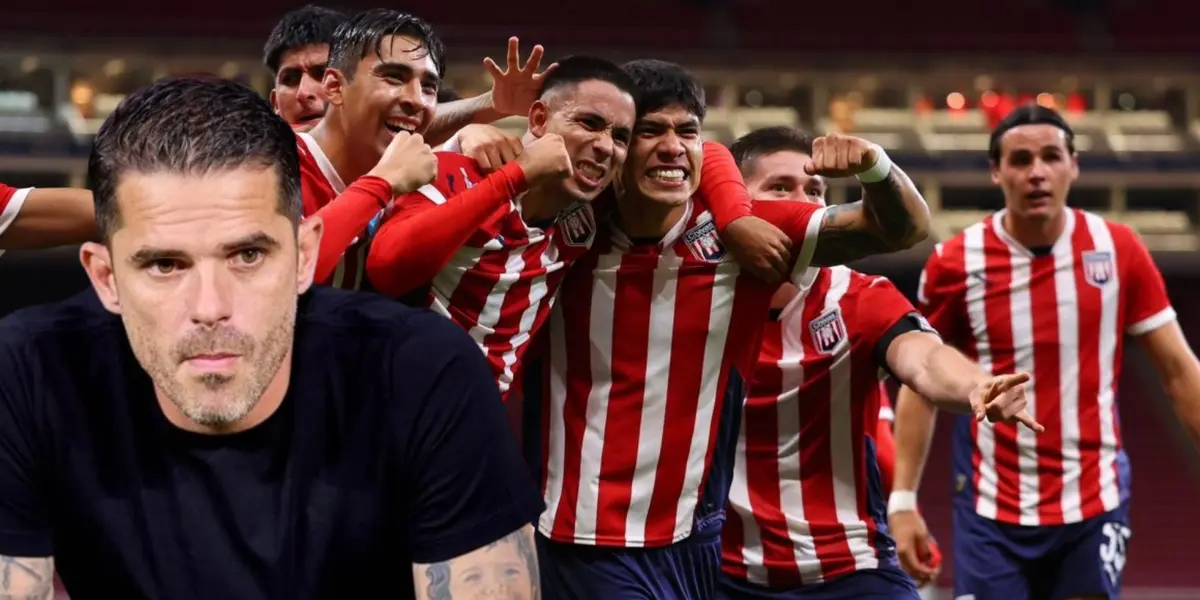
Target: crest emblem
1098,268
828,331
577,224
704,242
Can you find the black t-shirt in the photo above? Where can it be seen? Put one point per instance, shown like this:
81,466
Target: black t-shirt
391,447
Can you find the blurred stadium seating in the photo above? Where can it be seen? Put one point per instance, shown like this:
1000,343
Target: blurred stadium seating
926,80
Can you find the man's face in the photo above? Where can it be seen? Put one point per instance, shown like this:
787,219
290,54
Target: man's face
780,176
393,91
298,95
665,157
206,281
497,572
1035,171
595,120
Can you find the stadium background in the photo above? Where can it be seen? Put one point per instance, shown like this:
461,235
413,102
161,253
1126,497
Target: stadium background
924,79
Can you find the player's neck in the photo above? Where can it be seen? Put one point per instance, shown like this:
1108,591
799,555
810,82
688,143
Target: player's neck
544,202
642,218
270,402
1034,233
335,143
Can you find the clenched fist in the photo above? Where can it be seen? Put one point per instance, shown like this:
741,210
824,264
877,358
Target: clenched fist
836,156
546,159
489,145
408,163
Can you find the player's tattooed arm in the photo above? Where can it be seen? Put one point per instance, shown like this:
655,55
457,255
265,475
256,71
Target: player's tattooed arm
505,568
26,578
891,216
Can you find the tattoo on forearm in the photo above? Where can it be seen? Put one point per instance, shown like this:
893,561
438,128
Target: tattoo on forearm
26,578
506,568
890,215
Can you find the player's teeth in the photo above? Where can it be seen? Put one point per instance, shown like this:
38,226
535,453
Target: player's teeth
667,174
589,170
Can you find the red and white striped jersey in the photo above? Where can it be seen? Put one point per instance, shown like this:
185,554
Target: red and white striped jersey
806,505
501,284
320,184
641,349
11,200
1060,315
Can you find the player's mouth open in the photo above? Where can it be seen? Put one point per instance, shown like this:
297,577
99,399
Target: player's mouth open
309,118
589,173
1038,196
667,176
397,125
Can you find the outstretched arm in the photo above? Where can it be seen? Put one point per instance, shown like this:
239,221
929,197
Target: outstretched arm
45,217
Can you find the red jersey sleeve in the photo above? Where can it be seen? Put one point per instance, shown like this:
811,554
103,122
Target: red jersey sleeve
880,306
1147,306
801,221
424,229
347,218
722,190
941,290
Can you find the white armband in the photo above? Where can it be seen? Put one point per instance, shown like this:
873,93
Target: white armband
880,170
901,501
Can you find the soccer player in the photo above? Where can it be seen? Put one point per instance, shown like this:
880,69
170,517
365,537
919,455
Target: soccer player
646,347
44,218
491,252
1041,288
297,53
807,497
202,424
382,80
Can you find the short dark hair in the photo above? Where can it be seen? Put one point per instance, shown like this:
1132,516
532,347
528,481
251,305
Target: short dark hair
576,69
1028,114
769,140
191,125
661,84
447,94
301,27
366,31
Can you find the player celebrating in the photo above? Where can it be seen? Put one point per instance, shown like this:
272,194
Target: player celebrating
806,489
1048,290
217,429
491,253
43,218
651,332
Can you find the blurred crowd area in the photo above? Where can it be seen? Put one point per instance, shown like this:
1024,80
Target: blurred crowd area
926,80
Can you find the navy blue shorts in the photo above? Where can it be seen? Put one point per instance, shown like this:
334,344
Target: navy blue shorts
884,583
998,561
686,570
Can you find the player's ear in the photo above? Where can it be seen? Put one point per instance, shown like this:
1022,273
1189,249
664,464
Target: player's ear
1074,166
274,101
98,264
994,167
308,245
539,115
334,83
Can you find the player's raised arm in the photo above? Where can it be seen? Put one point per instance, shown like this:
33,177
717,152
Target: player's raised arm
430,225
891,216
45,217
514,89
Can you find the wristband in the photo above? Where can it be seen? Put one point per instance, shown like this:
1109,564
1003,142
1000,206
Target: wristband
901,501
880,170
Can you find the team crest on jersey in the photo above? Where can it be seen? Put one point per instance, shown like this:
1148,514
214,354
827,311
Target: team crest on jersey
828,331
1098,267
577,223
704,242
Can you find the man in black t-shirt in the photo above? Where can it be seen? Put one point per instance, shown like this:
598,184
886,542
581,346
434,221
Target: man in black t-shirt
200,424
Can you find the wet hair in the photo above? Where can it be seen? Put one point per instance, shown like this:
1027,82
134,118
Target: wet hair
573,70
191,126
661,84
366,32
769,140
305,26
1028,114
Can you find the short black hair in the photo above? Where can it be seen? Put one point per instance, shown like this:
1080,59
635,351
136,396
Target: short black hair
769,140
301,27
366,31
661,84
1028,114
447,94
576,69
191,125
